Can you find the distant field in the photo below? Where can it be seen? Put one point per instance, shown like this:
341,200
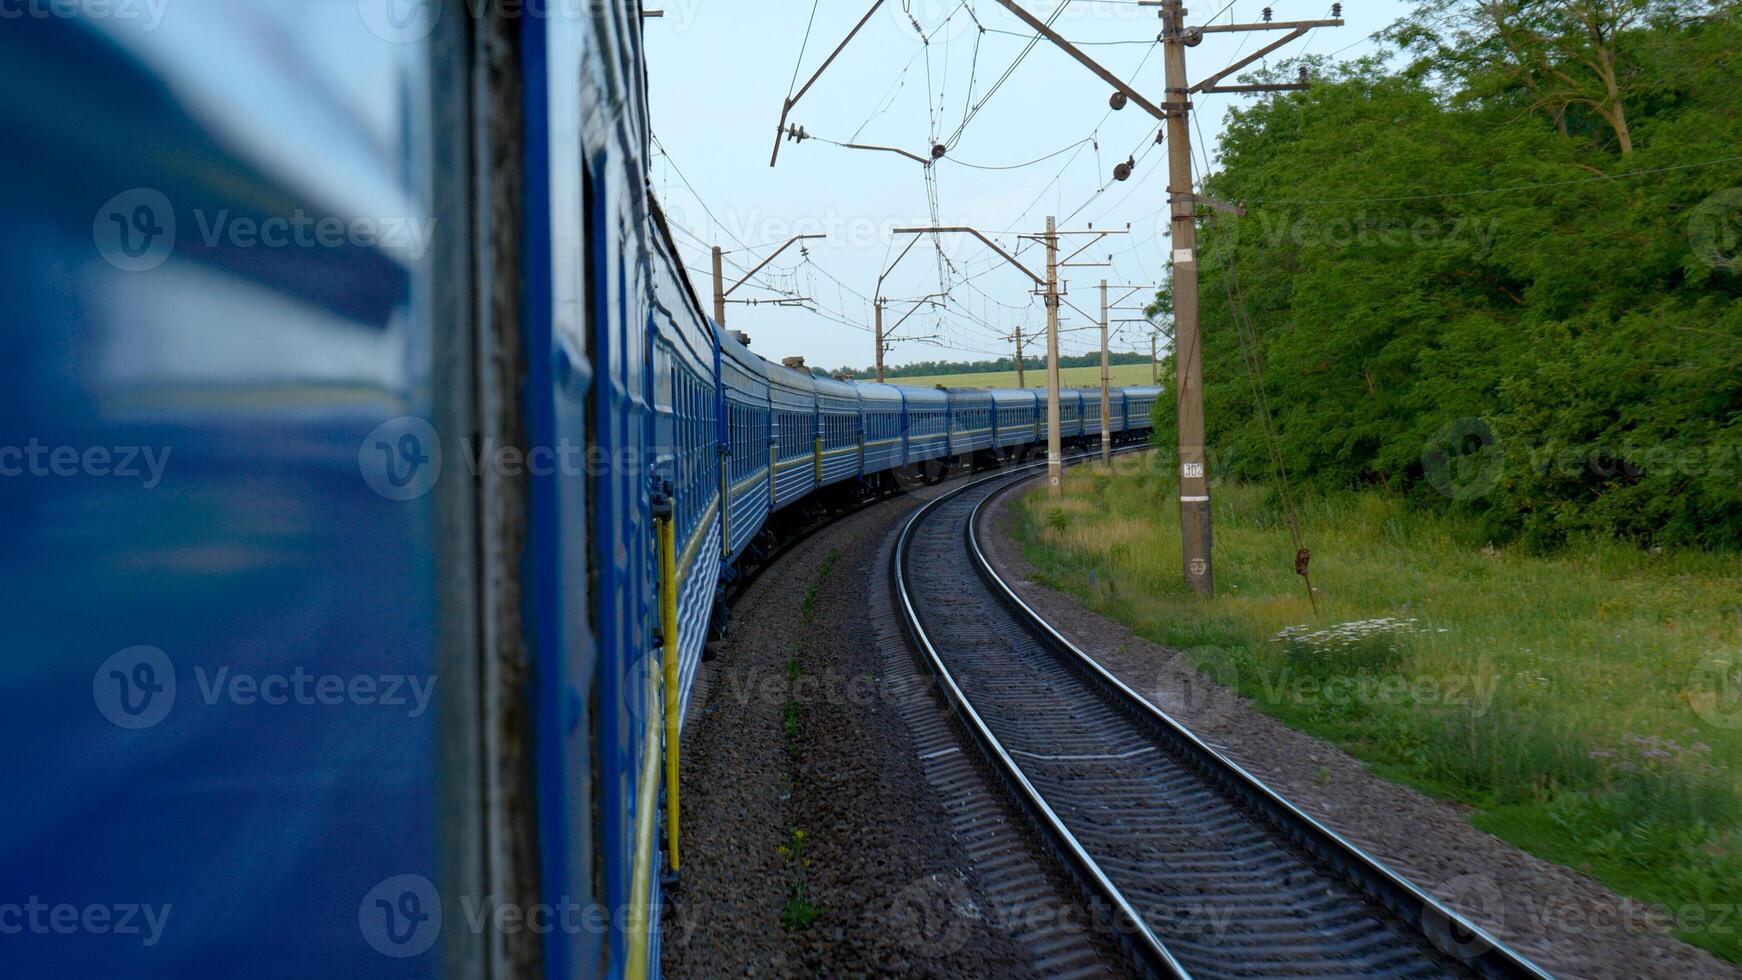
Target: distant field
1077,377
1586,704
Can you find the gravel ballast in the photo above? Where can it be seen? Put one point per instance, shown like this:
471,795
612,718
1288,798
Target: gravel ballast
813,845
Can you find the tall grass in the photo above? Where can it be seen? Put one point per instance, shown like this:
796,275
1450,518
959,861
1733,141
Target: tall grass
1578,701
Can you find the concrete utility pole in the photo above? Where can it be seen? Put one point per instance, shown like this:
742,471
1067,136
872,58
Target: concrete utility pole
719,291
882,342
1194,484
722,291
1020,381
877,315
1054,457
1106,410
1154,361
1175,110
1106,373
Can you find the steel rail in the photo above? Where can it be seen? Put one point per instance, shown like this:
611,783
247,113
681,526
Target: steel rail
1446,930
1151,953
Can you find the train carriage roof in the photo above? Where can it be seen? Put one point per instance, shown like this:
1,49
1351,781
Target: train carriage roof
829,387
1013,396
783,377
970,397
879,397
731,349
924,397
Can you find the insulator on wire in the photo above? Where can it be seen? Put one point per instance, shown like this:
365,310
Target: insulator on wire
1267,15
1303,74
1336,10
1118,100
1123,170
938,150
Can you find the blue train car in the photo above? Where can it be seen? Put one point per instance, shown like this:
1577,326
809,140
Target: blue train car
1070,413
1016,417
925,423
882,406
748,433
1139,404
970,421
589,584
686,442
268,486
794,447
838,416
220,456
1115,410
1091,399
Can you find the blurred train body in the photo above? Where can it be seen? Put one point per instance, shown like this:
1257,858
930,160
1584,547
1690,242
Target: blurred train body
350,371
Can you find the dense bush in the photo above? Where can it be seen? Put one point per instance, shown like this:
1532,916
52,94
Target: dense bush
1453,299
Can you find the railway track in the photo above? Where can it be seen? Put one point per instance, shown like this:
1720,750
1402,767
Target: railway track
1202,870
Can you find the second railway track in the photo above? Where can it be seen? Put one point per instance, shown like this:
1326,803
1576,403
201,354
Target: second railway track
1207,872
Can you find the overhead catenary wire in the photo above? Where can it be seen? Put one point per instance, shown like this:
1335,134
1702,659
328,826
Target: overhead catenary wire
1512,188
693,192
993,90
971,311
1147,54
1008,33
799,62
1019,166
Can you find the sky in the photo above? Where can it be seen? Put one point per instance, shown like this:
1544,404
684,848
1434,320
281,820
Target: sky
1042,142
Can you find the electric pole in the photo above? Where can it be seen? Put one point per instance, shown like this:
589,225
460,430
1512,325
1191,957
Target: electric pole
1054,457
877,315
1049,286
1174,111
882,343
1021,381
722,291
1106,371
719,291
1106,412
1194,485
1154,363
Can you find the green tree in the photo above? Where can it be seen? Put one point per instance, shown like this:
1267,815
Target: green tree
1432,271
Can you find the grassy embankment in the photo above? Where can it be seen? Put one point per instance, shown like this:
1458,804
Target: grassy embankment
1135,375
1586,703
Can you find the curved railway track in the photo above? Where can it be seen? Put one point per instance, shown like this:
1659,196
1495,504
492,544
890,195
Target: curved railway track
1205,871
